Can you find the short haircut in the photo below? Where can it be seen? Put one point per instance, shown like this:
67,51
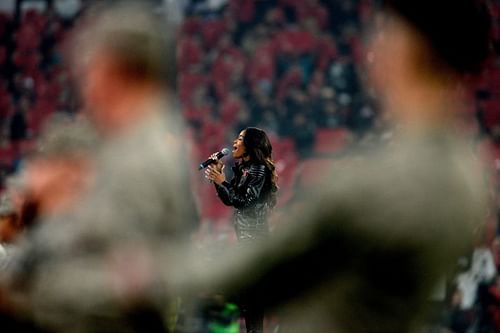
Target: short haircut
459,31
141,44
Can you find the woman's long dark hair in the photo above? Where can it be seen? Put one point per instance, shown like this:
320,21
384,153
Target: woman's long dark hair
260,150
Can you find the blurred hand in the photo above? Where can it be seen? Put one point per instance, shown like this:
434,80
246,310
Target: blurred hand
215,175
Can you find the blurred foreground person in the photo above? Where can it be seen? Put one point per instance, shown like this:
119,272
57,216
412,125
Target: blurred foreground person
252,193
55,177
375,240
96,273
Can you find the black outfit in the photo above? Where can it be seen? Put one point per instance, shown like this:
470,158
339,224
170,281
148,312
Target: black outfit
249,192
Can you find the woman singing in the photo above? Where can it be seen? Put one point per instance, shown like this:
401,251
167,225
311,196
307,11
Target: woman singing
252,193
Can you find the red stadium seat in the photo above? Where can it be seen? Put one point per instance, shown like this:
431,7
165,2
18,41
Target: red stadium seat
295,42
292,79
191,26
212,31
8,155
27,38
261,67
317,12
243,10
491,113
37,117
287,174
326,51
493,82
188,82
5,105
228,63
189,52
229,110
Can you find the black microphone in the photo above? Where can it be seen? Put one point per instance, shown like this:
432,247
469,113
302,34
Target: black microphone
220,155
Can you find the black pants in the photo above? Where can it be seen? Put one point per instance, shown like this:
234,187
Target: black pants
250,309
254,317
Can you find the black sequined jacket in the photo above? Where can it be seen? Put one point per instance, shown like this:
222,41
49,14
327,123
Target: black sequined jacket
249,192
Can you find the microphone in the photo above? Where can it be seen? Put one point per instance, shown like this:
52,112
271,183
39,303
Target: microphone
220,155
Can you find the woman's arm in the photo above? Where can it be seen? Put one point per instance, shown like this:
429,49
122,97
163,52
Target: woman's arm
228,195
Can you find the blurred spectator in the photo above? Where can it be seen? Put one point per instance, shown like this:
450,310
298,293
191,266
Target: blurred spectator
467,285
189,52
458,320
18,126
483,265
304,133
139,201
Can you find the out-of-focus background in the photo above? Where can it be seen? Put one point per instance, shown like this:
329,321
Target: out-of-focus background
291,67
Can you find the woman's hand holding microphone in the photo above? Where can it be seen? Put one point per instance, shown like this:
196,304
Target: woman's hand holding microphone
215,172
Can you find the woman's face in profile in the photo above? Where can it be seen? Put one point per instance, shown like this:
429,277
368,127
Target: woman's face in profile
239,149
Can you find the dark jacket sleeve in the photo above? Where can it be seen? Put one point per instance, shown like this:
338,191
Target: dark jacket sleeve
256,180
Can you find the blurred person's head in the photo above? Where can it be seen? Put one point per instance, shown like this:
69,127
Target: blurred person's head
243,115
124,57
275,17
422,49
199,96
299,120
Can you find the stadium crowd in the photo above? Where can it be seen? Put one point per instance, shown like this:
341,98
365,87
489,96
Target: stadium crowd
287,66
